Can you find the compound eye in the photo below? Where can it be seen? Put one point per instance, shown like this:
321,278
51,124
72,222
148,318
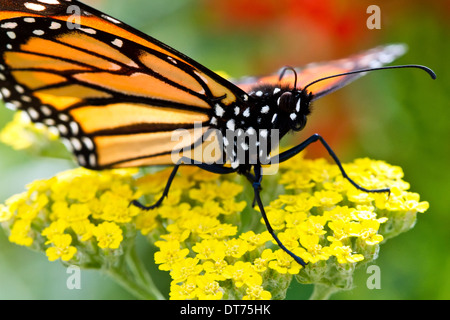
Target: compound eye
284,101
299,124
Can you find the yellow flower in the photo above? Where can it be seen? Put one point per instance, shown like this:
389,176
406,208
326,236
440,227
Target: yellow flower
117,208
255,240
230,206
5,213
184,291
208,288
77,212
185,268
199,225
256,292
284,263
61,248
412,203
84,229
217,268
147,221
21,133
210,249
314,250
206,192
260,264
109,235
235,248
83,188
21,233
209,208
368,231
170,253
276,218
55,229
223,231
242,273
344,253
328,198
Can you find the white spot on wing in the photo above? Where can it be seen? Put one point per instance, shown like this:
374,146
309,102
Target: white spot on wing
118,43
92,160
19,89
219,110
76,144
74,128
63,117
33,113
55,25
49,1
62,129
172,60
5,92
81,160
34,6
111,19
88,143
9,25
46,111
88,30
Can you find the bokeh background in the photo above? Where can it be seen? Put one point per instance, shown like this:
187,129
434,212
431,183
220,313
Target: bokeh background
400,116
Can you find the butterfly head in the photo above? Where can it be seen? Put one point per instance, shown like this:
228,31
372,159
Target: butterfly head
295,105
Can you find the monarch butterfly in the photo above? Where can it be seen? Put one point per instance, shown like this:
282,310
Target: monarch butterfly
116,95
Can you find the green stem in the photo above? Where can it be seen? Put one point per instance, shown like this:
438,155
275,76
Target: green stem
141,274
133,276
322,292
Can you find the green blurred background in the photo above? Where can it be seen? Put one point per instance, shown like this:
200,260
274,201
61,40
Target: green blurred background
400,116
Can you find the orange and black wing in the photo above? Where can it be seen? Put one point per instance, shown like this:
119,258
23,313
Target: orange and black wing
372,58
115,94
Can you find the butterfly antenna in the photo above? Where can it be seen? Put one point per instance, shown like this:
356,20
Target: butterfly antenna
284,71
426,69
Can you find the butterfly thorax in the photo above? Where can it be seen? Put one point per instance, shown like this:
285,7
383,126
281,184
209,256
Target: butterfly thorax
253,129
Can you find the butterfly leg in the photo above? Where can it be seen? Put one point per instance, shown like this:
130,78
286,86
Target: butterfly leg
314,138
257,187
251,178
214,168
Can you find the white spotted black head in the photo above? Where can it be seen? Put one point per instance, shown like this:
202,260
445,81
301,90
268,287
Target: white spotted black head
282,108
268,109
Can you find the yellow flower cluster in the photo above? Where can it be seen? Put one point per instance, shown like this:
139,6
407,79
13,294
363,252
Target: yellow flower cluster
201,246
212,243
320,216
22,134
71,210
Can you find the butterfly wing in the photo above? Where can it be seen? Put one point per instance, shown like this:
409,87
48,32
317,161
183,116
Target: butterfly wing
114,94
373,58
